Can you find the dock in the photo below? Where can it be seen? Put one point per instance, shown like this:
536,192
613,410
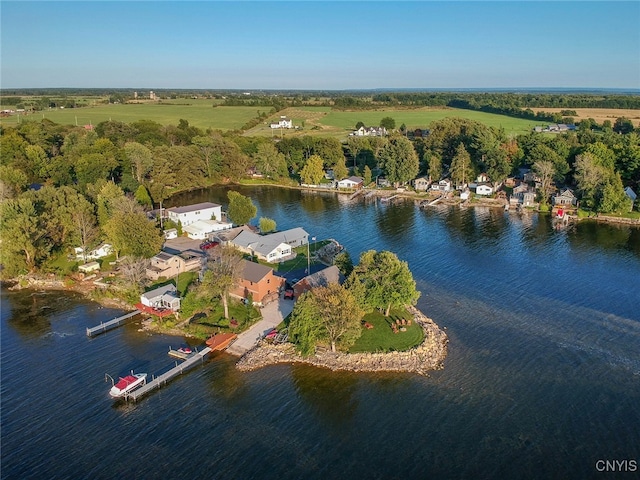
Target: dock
111,324
157,382
181,355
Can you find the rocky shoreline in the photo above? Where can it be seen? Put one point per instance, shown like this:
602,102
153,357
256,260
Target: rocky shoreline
426,357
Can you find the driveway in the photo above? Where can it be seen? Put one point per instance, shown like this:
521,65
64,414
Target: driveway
272,315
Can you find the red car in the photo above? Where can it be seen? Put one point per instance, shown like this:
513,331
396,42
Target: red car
207,245
288,294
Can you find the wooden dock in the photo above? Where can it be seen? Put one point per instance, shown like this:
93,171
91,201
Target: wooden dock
157,382
110,325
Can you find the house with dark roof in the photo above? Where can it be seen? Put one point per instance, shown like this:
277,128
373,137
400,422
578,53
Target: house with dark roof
257,281
321,278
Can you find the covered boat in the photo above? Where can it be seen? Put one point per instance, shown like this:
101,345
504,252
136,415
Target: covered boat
128,384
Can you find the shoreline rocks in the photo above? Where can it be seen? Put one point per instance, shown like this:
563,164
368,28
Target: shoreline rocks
426,357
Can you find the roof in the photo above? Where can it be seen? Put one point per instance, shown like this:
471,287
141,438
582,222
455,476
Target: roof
204,226
322,278
193,208
353,179
254,272
163,256
266,244
232,233
158,292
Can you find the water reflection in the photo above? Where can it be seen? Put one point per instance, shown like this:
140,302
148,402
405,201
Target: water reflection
396,221
330,395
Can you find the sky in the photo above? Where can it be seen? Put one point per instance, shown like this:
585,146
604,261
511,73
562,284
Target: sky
320,45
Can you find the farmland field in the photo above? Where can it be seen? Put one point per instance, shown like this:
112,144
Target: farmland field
199,113
337,123
598,114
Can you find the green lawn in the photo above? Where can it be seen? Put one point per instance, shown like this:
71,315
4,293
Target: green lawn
205,326
199,113
184,280
421,118
381,337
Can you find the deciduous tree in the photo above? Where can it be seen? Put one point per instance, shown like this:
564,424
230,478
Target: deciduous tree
267,224
313,171
241,209
223,271
381,280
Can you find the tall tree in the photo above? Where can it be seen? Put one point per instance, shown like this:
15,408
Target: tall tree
546,172
588,175
269,161
399,160
130,231
381,280
241,209
223,271
388,123
140,159
24,237
313,171
461,169
328,313
340,170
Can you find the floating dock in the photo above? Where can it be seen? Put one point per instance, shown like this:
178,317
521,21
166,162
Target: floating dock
157,382
111,324
181,355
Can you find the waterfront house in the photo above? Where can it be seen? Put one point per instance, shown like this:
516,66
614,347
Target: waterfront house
165,297
351,182
192,213
421,184
484,188
319,279
565,198
101,251
442,186
257,281
271,248
202,229
166,265
523,195
89,267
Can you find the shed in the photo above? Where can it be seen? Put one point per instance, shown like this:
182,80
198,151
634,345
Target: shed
89,267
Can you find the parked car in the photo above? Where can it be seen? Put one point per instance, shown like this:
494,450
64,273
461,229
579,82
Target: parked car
288,294
207,245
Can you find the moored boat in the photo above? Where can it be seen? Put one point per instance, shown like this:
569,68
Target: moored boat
128,384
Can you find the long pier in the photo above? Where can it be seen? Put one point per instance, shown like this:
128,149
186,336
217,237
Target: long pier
157,382
110,325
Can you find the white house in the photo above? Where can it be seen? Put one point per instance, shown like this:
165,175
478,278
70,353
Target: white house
162,297
442,186
192,213
89,267
101,251
170,233
421,184
284,122
351,182
484,188
369,132
273,247
200,229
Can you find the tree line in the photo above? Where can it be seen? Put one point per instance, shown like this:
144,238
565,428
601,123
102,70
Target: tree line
147,162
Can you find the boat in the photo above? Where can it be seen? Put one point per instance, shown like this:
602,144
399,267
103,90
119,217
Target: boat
185,350
128,384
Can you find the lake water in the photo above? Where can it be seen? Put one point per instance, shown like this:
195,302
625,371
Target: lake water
542,378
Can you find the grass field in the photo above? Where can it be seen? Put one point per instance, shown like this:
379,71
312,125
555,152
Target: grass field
598,114
316,121
381,337
199,113
335,123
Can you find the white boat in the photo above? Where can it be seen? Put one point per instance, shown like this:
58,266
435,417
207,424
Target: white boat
128,384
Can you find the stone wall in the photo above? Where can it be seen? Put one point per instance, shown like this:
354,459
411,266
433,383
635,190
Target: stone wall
427,356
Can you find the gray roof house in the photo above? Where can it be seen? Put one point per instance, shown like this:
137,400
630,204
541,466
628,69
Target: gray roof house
273,247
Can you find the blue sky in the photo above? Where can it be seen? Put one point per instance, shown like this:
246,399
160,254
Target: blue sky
320,45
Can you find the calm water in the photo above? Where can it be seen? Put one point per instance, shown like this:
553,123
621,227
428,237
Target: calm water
542,378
